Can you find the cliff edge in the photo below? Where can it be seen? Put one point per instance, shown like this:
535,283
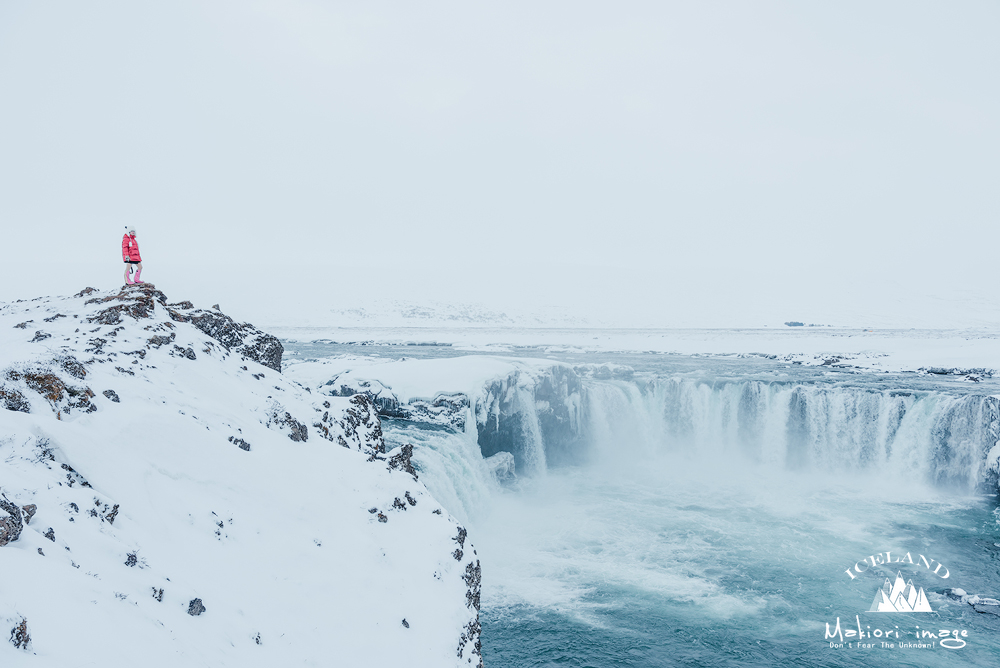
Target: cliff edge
167,495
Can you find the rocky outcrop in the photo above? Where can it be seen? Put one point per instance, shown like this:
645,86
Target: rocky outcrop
62,396
134,301
282,419
10,524
401,460
242,339
139,301
19,635
13,400
471,633
272,497
359,427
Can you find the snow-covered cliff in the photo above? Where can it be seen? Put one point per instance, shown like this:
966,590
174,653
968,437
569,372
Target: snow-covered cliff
167,495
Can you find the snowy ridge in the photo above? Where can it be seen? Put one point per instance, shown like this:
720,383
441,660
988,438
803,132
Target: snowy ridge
169,496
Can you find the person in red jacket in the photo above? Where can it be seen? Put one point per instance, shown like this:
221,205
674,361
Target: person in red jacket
130,253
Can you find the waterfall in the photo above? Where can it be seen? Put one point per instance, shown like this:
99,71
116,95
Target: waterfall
933,437
520,426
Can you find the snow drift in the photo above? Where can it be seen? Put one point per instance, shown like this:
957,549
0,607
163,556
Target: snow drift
167,495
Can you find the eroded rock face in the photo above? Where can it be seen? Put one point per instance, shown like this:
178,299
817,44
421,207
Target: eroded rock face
244,339
13,400
360,427
471,633
134,301
282,419
139,301
401,460
10,524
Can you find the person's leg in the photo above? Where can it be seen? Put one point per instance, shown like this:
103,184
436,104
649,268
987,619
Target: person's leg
138,271
128,270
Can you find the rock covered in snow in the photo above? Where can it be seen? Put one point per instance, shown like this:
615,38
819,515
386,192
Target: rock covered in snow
244,339
10,524
140,488
507,398
981,604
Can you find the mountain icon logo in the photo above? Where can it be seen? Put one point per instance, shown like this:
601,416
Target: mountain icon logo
900,596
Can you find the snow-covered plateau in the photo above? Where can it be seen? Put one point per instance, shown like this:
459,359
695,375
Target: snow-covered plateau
170,497
869,349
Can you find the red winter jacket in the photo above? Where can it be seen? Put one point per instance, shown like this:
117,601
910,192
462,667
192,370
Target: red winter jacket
130,249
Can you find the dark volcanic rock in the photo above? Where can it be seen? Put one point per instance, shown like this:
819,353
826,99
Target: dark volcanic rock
112,395
298,432
240,443
195,607
72,366
140,300
472,632
401,460
134,301
11,525
244,339
184,352
157,340
473,580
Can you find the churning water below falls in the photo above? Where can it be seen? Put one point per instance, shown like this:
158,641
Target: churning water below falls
735,512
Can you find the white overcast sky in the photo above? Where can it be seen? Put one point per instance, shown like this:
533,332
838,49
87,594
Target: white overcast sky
698,163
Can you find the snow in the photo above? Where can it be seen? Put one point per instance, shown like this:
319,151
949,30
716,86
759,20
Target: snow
410,379
889,350
278,541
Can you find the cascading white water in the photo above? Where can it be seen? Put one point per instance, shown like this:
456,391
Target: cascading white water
927,436
677,511
721,508
533,446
